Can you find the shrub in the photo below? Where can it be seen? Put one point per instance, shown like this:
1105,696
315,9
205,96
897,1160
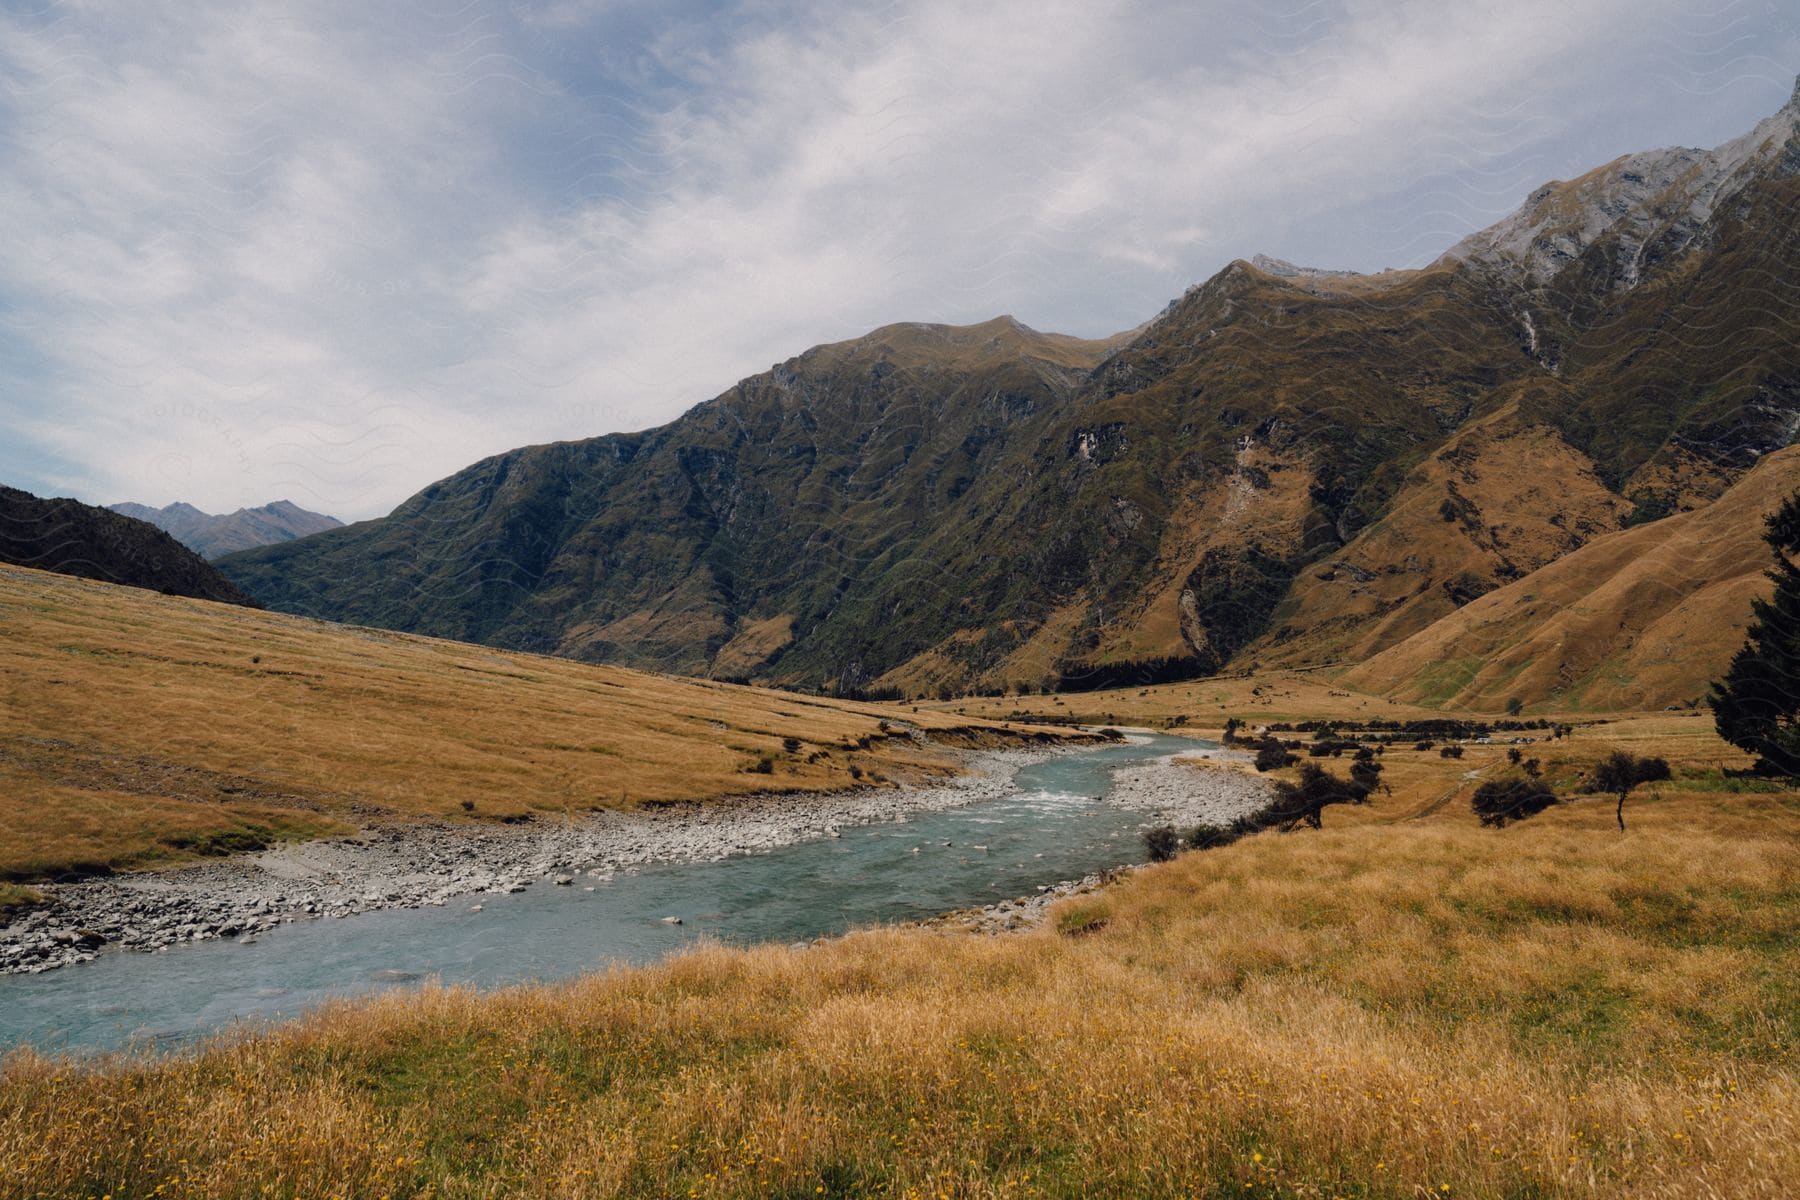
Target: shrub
764,765
1304,803
1502,800
220,843
468,806
1211,837
1450,751
791,745
1271,755
1514,707
1162,843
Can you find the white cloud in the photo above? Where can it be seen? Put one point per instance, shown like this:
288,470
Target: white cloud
332,254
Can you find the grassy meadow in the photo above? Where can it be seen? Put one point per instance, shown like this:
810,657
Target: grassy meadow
1400,1005
1202,705
140,729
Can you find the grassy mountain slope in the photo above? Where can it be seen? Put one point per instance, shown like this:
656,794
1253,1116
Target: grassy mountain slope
142,728
1502,497
1637,619
1284,467
1662,395
1248,430
1388,1008
73,538
757,511
213,535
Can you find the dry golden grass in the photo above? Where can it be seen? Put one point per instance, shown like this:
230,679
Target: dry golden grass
1377,1010
1423,783
1403,1004
16,896
1202,704
1639,618
138,728
1386,584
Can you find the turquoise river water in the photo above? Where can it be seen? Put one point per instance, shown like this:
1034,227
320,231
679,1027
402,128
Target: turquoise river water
1053,826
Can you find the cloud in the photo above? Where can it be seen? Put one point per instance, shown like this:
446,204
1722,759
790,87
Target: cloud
332,253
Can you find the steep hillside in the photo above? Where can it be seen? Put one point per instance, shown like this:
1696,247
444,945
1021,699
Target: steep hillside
73,538
1654,292
745,524
143,727
1285,467
1504,496
212,535
1638,619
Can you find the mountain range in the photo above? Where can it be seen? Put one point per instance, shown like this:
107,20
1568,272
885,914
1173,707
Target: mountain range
1285,467
213,535
72,538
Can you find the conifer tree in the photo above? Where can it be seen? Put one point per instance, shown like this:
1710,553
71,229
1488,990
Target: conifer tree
1755,706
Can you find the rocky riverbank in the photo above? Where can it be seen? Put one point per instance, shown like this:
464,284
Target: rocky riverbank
1024,912
1180,789
1192,787
432,865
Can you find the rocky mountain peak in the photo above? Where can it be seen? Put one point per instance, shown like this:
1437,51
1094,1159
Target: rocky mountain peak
1663,197
213,535
1283,269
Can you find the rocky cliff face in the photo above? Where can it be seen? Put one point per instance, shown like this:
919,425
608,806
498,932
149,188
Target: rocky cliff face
1284,466
1644,209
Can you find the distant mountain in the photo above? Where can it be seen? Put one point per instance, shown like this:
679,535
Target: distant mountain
1286,466
73,538
213,536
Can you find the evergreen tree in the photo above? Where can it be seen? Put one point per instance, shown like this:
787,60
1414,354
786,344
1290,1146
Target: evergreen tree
1755,706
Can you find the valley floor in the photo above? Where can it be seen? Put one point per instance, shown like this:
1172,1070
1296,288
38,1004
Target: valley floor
1404,1003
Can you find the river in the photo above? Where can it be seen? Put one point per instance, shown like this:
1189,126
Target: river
1052,826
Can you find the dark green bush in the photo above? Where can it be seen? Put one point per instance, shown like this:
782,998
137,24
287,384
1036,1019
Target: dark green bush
1162,843
1500,801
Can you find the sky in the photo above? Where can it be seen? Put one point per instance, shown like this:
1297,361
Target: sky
330,253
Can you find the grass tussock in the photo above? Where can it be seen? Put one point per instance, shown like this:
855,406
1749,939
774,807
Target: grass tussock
1375,1010
16,897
